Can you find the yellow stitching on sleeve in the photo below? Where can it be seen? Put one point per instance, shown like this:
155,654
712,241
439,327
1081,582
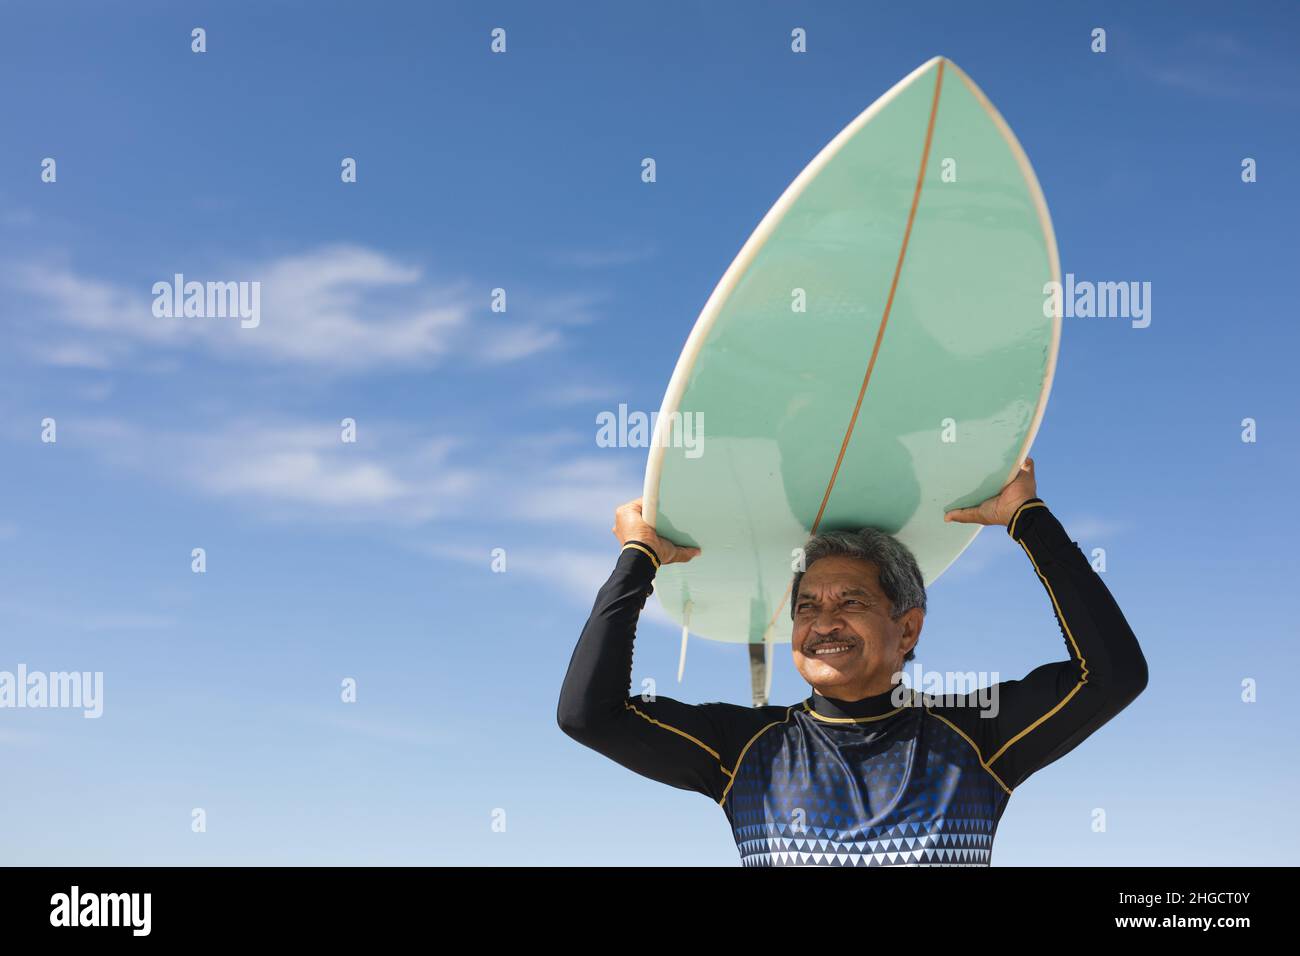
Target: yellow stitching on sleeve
1065,700
644,550
974,747
713,753
1083,665
745,750
1015,517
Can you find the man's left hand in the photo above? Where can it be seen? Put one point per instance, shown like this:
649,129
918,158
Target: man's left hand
1000,508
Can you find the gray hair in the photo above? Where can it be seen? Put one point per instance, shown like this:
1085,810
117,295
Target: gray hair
900,576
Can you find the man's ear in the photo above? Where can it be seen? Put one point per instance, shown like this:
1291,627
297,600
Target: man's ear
911,622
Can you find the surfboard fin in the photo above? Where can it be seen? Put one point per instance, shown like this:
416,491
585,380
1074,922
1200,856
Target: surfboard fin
759,673
686,631
767,666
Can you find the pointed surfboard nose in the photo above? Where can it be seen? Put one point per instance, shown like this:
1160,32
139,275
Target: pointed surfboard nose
754,500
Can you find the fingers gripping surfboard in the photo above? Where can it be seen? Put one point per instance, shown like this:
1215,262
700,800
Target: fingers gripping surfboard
879,352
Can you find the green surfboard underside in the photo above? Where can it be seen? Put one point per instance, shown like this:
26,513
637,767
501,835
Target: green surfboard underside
954,396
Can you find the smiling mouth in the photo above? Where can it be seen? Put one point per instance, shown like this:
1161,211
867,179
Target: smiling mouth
828,649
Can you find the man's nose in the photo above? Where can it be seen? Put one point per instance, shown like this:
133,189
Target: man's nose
826,622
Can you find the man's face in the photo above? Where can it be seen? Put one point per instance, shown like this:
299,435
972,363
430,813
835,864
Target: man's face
845,643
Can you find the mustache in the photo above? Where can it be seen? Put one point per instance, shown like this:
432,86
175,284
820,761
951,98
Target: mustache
812,643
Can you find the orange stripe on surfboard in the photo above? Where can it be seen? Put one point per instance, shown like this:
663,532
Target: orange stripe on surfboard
884,321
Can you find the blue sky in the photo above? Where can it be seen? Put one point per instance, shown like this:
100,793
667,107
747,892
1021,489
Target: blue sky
477,430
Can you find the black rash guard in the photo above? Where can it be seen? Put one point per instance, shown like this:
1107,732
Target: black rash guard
901,778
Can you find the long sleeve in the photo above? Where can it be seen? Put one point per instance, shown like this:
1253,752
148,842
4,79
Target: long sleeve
679,744
1057,706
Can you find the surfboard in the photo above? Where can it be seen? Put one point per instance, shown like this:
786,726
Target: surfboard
880,351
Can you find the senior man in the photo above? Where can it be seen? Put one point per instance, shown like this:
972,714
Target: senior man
864,772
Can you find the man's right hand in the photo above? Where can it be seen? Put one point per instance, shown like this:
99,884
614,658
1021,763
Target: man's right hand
630,525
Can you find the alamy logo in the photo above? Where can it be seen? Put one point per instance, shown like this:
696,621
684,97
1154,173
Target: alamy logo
976,690
637,429
212,300
102,909
1102,300
83,690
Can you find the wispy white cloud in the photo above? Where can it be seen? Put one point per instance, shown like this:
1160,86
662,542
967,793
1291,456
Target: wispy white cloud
577,491
562,309
577,393
1214,65
521,342
75,355
48,614
568,499
984,552
575,574
350,306
94,391
342,307
990,550
1093,527
605,257
295,469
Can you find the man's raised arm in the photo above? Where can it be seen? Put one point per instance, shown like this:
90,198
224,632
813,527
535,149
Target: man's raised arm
1057,706
666,740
